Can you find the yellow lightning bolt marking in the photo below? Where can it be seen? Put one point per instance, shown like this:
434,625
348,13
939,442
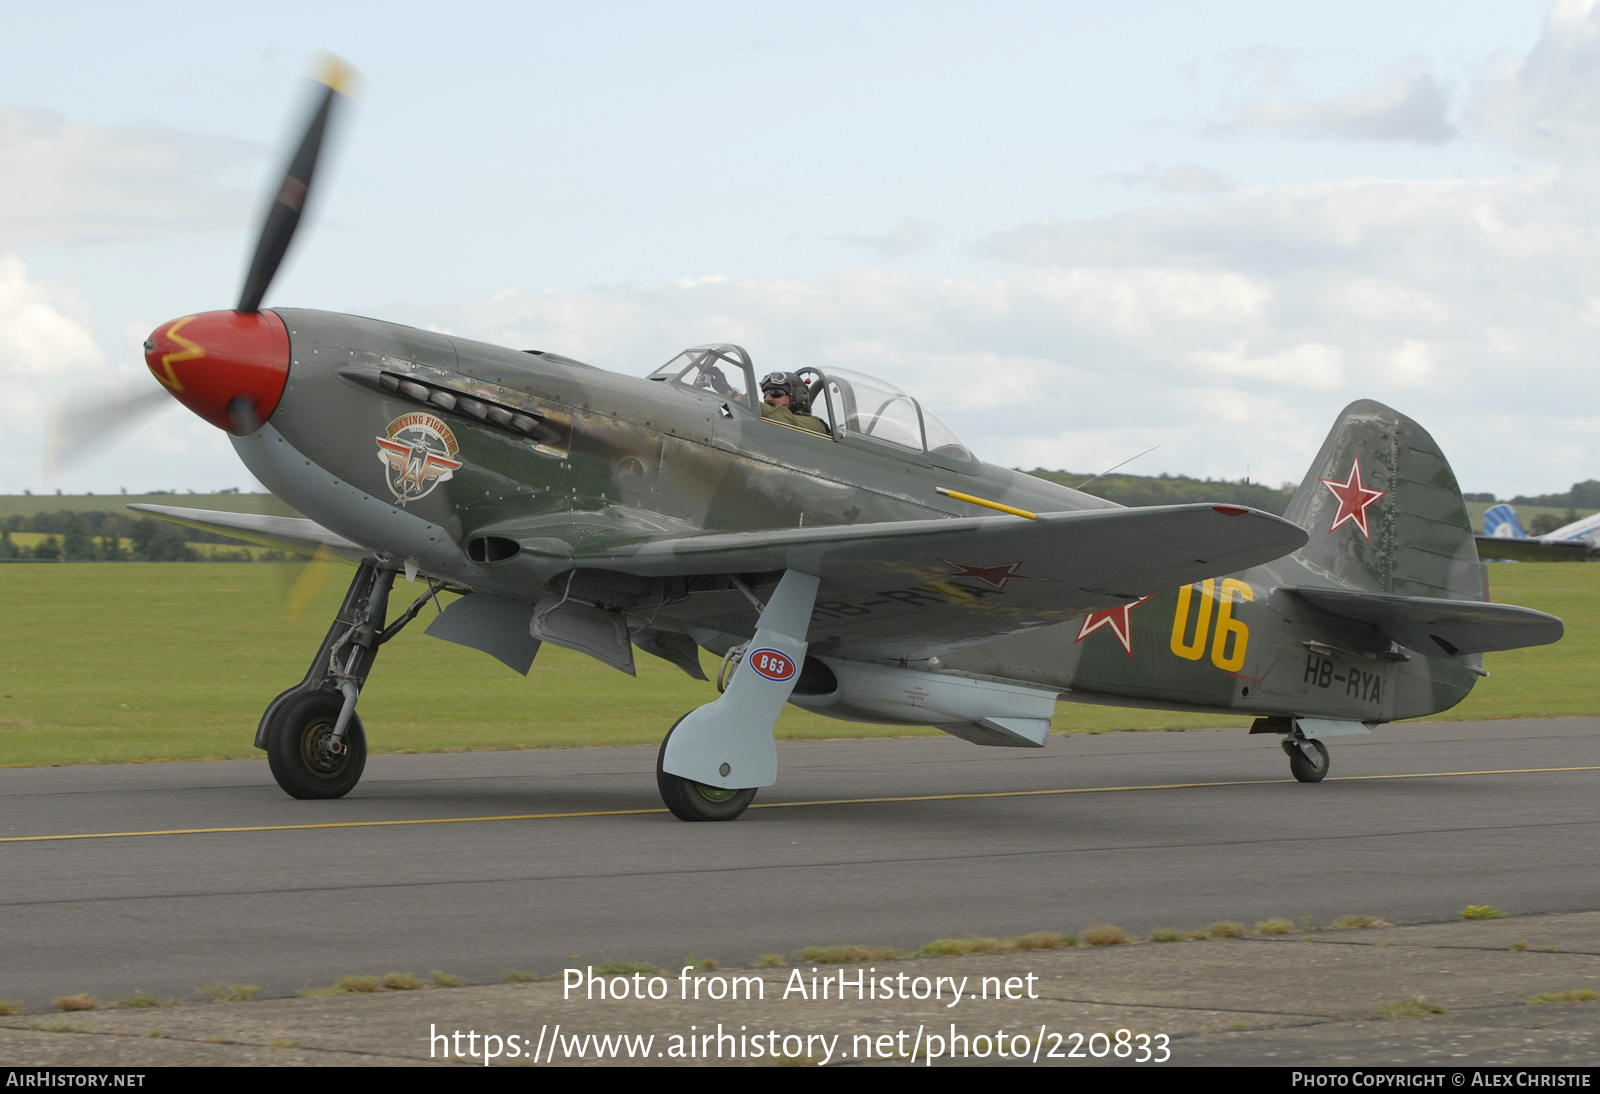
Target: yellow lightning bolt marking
192,351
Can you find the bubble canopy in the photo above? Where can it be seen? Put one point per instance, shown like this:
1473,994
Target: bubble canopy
855,406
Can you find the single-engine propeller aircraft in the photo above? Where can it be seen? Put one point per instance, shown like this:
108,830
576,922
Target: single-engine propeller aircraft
867,566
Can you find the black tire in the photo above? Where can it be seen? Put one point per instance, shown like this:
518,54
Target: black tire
299,766
1304,767
692,801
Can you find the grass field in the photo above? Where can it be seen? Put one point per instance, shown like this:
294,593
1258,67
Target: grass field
119,662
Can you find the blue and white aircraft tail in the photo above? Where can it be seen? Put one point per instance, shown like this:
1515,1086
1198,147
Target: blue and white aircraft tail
1505,538
1500,522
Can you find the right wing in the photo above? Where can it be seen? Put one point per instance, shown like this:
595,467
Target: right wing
296,534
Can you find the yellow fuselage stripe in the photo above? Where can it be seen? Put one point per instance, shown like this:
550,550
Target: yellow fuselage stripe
769,805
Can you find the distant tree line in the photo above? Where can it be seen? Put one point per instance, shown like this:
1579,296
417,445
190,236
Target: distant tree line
1583,495
1175,489
98,537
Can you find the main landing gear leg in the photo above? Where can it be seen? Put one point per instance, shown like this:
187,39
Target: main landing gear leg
715,758
1308,757
314,740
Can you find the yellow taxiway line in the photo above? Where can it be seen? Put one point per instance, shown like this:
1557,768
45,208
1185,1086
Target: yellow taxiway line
770,805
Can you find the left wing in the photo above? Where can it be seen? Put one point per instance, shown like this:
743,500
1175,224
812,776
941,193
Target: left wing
926,585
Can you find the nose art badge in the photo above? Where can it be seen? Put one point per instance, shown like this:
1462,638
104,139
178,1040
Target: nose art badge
417,455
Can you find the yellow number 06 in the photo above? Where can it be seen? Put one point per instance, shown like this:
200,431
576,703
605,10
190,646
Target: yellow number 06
1226,625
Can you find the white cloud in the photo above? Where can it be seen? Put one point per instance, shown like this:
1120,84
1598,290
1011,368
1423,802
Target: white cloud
1230,329
1182,178
111,411
1191,178
1548,103
1407,104
1411,365
41,339
1310,365
68,182
908,236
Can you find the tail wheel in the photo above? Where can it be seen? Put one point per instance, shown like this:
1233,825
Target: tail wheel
1308,758
692,801
304,758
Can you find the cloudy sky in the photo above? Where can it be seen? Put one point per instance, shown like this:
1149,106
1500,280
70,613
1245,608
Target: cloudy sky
1075,230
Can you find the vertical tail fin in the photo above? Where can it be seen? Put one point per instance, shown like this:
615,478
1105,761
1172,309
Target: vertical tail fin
1501,521
1384,511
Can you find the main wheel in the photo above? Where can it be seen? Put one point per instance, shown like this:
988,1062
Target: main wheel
692,801
299,752
1307,768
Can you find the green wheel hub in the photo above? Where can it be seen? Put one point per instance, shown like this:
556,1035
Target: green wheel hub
318,761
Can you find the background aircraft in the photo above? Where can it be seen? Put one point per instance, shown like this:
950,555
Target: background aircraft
877,571
1504,537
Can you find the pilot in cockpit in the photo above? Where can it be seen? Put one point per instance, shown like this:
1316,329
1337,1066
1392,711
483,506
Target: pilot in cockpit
786,400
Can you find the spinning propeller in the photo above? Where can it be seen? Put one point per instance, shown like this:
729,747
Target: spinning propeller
229,367
284,216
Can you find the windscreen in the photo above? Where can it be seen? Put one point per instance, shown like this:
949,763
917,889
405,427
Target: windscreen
942,440
708,369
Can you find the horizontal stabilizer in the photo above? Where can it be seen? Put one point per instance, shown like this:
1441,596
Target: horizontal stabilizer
1427,624
296,534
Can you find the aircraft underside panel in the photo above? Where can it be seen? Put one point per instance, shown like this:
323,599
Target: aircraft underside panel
985,712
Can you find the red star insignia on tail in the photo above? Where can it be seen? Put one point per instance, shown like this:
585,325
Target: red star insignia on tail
1353,499
1115,618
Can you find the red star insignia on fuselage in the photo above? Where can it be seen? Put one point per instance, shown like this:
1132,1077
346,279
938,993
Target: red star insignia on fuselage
1115,618
1353,499
994,576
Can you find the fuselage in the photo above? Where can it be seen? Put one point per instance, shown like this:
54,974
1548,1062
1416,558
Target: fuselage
463,457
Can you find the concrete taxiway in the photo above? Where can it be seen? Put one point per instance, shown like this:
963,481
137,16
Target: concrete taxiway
409,873
1494,993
